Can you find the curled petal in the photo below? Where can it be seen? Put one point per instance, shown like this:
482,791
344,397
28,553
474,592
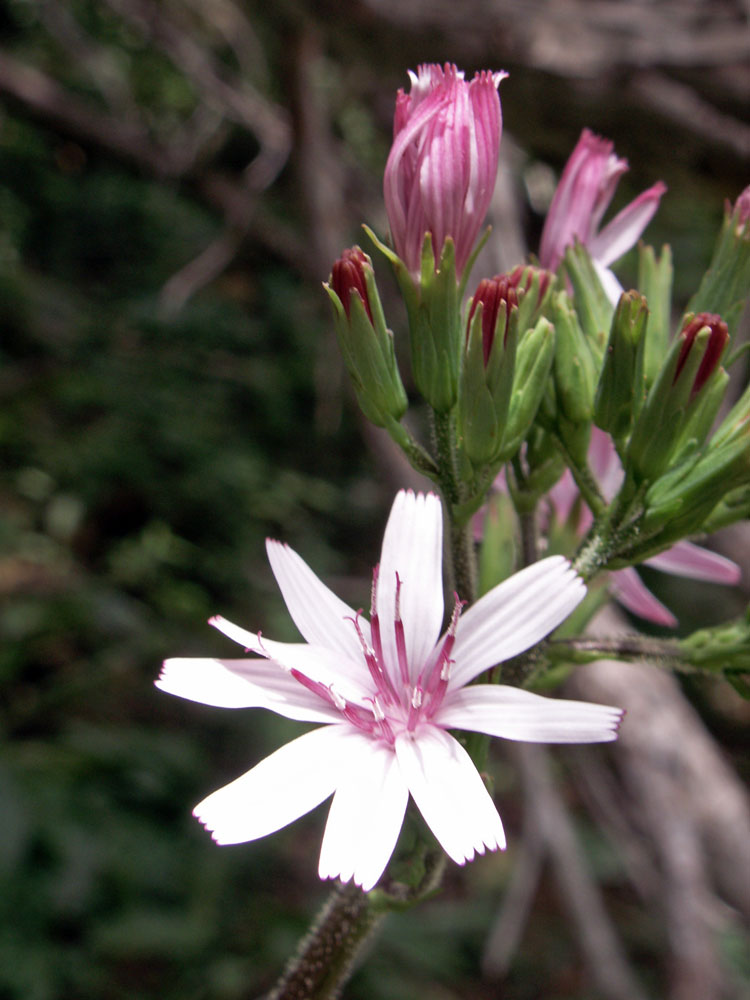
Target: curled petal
633,594
450,794
515,714
623,232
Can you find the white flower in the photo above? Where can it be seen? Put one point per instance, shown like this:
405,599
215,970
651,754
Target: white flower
387,691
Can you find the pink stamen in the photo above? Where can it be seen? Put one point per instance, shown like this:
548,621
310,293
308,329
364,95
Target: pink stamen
398,627
377,643
375,665
319,689
415,704
441,671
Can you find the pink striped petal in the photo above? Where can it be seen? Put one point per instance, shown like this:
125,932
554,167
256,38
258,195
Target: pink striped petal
632,593
696,563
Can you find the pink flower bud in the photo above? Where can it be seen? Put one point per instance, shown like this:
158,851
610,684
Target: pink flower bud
742,206
585,190
441,170
492,293
717,341
347,276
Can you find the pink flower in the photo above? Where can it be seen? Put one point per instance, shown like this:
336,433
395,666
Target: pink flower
683,559
585,190
441,170
387,693
742,206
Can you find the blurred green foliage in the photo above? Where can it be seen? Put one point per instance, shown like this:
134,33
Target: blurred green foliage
143,459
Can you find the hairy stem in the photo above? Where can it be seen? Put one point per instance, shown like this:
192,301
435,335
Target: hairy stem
462,556
326,955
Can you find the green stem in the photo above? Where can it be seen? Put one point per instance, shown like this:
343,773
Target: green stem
627,647
419,457
326,955
463,558
587,485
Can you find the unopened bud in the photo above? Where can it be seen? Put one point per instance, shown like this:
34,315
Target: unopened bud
366,343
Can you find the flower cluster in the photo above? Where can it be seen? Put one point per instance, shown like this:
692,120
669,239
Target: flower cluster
550,379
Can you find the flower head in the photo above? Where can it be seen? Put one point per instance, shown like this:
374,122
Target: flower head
683,559
441,170
585,190
387,692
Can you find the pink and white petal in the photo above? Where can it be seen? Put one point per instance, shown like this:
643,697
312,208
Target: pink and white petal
244,684
330,667
449,793
413,549
322,618
278,790
514,714
632,593
514,616
366,815
612,287
623,232
696,563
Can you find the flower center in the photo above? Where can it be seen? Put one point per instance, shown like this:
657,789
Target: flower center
398,703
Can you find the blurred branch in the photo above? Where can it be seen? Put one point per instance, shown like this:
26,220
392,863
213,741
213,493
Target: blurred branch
683,104
233,97
579,895
96,60
49,101
676,795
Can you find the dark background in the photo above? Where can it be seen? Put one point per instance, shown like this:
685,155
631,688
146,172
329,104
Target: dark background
176,179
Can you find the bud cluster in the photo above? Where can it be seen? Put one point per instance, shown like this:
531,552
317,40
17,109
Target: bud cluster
543,356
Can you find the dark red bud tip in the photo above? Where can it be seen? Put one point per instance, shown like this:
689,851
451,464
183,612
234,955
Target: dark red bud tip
491,292
523,275
347,276
716,343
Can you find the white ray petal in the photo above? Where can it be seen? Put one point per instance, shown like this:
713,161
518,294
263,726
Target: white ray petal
365,817
413,548
515,714
349,677
449,793
322,618
279,789
514,616
243,684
